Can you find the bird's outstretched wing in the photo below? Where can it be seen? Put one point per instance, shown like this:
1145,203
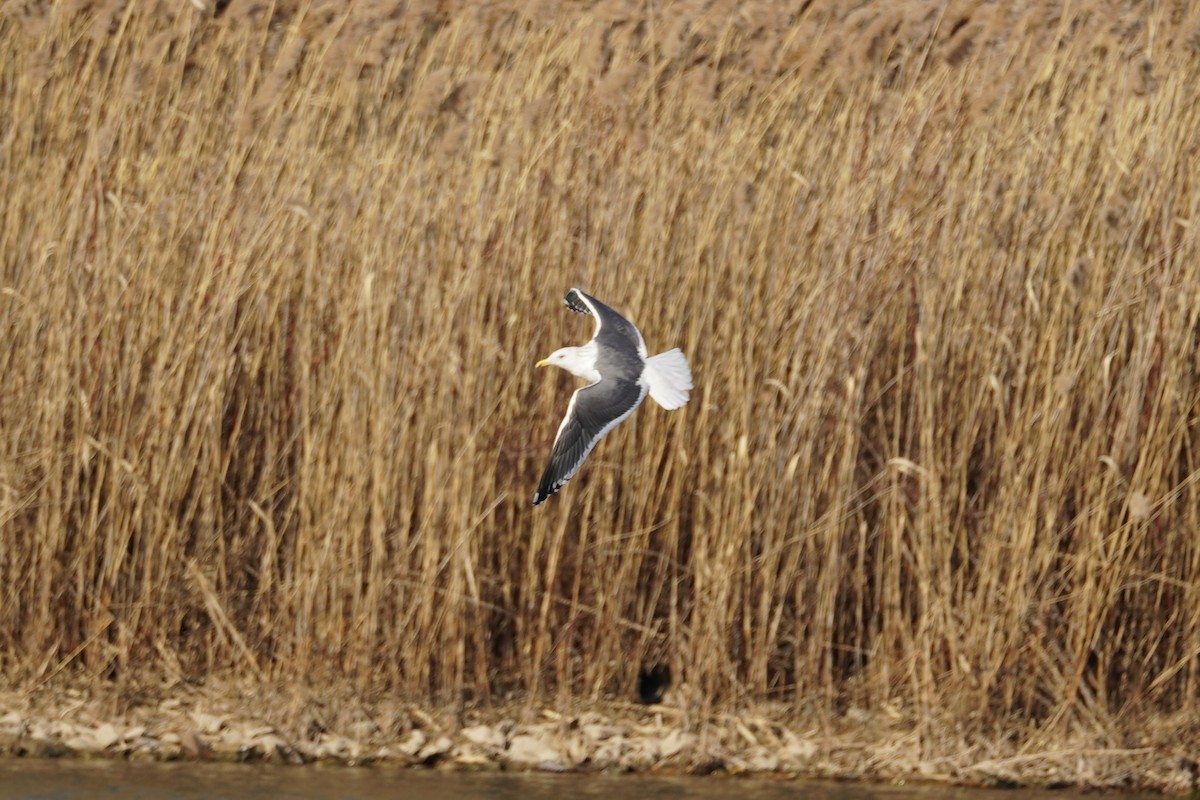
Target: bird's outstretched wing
594,411
611,328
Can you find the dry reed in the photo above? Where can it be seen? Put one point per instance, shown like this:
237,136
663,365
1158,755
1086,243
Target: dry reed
269,321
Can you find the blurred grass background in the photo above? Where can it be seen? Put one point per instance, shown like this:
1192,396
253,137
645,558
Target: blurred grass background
274,277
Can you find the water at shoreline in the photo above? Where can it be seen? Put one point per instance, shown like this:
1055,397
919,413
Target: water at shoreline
84,780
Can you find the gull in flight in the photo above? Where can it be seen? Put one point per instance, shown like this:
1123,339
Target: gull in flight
619,376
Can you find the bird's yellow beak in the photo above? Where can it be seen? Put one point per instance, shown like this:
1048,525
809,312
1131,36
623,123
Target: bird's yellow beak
543,363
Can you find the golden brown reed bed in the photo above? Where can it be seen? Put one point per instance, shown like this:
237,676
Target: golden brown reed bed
274,279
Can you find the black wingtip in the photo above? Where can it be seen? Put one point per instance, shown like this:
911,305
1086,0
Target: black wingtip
544,492
574,302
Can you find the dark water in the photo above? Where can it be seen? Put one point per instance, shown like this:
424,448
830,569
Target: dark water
75,780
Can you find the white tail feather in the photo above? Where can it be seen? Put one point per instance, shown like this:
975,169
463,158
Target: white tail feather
669,378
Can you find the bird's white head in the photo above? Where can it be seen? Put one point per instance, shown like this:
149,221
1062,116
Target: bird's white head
578,361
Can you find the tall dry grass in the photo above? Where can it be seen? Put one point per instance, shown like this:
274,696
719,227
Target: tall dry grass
274,280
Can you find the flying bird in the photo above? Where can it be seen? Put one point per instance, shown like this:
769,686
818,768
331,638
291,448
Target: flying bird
619,375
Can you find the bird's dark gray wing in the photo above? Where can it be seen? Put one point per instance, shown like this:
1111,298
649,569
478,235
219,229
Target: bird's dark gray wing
594,411
613,331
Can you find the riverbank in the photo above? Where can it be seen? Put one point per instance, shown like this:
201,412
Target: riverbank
240,723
